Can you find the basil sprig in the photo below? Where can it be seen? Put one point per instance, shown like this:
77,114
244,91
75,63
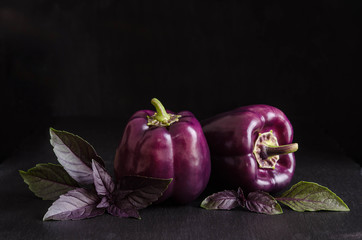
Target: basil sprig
82,187
303,196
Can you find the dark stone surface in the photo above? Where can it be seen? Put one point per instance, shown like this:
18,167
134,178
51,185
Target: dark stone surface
21,212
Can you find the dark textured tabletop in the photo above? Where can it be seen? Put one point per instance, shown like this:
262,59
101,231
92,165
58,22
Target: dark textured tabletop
21,212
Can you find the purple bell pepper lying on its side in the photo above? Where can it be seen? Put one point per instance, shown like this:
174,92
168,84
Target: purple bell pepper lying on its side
251,147
165,145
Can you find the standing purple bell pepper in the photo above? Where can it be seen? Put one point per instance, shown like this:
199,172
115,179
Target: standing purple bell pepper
165,145
251,148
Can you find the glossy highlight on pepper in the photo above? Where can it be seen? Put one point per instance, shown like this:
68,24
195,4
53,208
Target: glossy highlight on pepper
251,148
163,144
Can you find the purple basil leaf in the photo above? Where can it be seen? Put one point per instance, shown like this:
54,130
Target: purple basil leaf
225,200
75,155
123,213
241,197
141,191
103,182
104,203
262,202
48,181
74,205
121,206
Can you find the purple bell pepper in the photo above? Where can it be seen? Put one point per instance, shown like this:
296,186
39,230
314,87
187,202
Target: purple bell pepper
251,147
162,144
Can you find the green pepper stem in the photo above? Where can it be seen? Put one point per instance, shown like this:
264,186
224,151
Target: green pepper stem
269,151
161,115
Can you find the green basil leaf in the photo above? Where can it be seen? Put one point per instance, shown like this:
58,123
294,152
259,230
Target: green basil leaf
48,181
309,196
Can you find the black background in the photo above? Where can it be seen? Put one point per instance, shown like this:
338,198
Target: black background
107,59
